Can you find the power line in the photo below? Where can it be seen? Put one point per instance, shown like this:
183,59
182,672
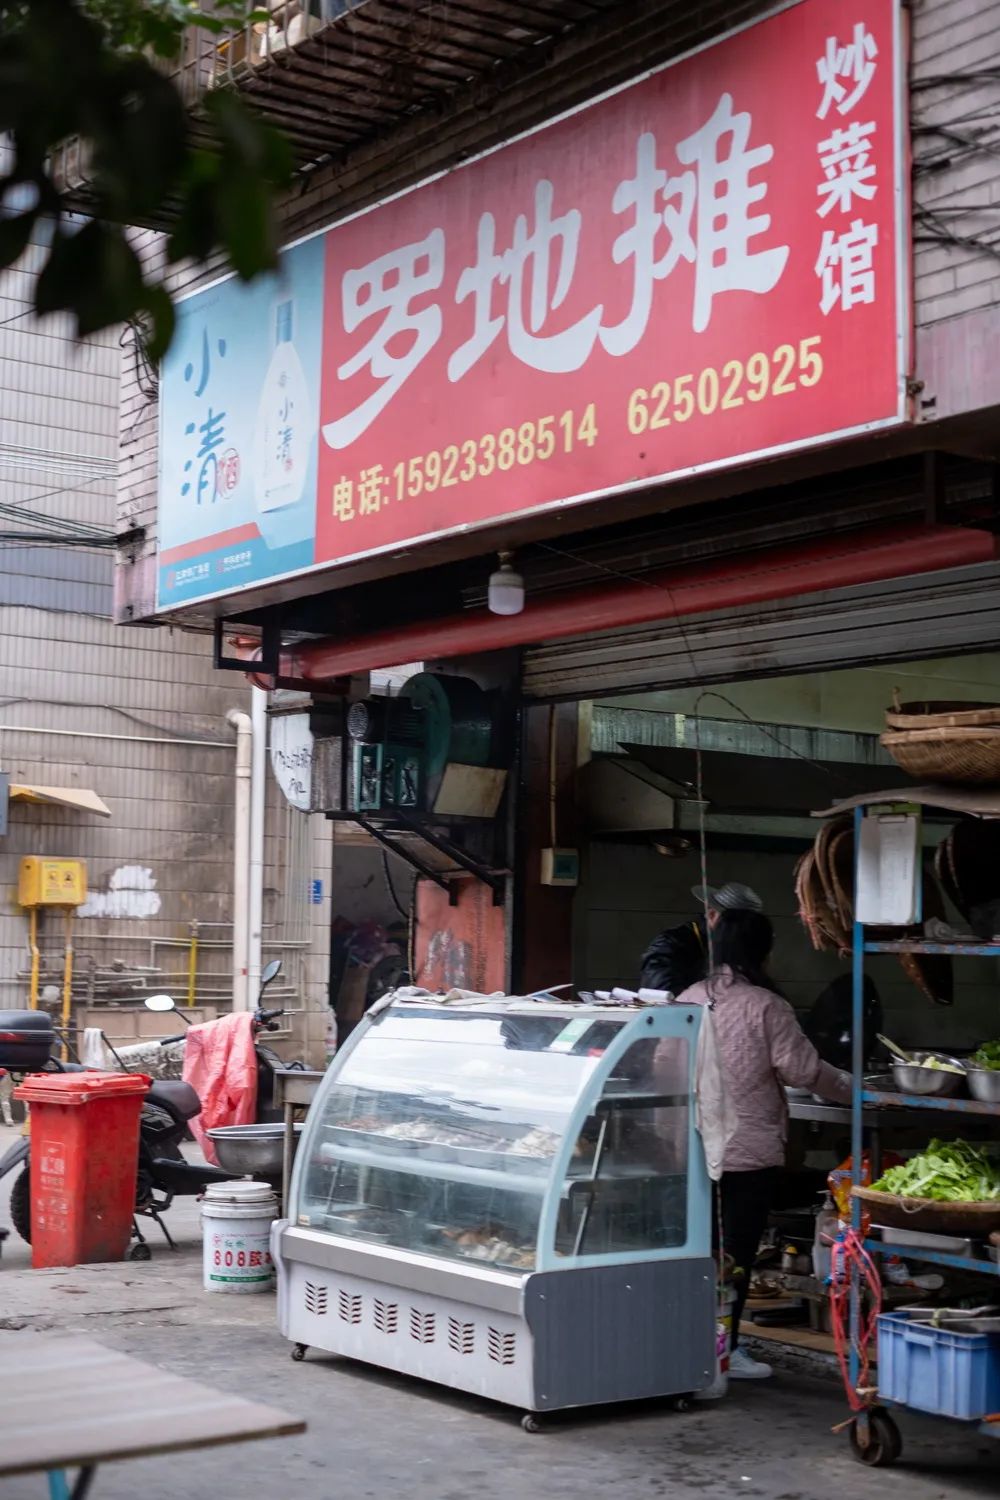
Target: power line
28,312
44,522
30,539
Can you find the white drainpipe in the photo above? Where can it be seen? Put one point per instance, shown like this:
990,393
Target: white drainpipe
258,789
241,857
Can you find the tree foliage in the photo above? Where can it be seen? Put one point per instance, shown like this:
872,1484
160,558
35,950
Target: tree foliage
99,72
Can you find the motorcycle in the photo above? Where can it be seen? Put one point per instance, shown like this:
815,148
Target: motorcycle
162,1172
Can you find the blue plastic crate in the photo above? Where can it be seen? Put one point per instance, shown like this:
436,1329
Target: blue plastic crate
934,1370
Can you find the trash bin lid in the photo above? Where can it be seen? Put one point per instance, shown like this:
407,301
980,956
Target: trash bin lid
79,1088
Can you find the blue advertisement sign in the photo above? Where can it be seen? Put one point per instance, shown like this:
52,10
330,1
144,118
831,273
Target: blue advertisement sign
239,421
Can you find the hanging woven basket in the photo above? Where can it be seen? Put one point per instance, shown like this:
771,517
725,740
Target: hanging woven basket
942,715
965,756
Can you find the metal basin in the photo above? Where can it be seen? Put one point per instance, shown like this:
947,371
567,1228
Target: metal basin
251,1150
984,1084
911,1079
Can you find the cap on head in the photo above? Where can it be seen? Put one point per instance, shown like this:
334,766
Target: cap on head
733,896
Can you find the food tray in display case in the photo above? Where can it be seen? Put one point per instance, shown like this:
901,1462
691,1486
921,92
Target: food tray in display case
479,1188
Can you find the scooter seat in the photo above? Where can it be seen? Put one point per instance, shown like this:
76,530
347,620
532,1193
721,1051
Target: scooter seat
177,1097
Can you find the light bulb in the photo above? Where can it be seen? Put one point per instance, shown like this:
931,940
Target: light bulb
506,590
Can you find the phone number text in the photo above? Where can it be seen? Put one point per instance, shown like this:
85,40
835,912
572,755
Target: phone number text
756,379
532,441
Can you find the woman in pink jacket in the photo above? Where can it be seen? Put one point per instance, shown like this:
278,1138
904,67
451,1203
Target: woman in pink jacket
762,1049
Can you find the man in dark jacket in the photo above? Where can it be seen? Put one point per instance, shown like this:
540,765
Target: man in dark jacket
678,958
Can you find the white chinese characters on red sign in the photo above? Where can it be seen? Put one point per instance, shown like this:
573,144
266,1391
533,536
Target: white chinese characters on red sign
705,216
678,276
845,260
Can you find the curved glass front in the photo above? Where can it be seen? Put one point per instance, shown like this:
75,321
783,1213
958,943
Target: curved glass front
438,1131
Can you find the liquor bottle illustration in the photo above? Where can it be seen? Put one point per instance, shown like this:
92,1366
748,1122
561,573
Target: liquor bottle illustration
281,444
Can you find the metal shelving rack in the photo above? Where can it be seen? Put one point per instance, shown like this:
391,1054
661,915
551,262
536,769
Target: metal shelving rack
868,1443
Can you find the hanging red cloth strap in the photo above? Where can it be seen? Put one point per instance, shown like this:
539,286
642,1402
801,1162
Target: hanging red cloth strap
849,1258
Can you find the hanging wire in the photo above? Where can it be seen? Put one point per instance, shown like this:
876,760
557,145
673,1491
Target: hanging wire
387,877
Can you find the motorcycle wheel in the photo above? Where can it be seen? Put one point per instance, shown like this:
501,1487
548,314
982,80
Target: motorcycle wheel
20,1205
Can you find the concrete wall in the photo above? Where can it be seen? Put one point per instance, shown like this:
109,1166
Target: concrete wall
139,717
58,446
84,703
629,893
359,891
853,701
956,176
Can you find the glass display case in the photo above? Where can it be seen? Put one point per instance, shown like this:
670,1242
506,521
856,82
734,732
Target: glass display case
468,1151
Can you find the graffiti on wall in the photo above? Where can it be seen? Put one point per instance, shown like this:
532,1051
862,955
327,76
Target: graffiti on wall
463,946
130,893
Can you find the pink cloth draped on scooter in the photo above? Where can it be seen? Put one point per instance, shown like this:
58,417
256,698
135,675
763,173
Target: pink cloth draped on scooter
220,1064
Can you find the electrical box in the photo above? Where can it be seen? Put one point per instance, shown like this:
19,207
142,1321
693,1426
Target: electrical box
51,882
560,867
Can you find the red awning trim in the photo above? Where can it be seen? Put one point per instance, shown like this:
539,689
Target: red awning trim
672,593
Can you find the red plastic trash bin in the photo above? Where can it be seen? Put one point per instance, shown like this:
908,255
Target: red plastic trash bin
84,1156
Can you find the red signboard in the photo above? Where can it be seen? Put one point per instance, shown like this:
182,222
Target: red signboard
705,266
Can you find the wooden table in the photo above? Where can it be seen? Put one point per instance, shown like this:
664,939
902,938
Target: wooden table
72,1404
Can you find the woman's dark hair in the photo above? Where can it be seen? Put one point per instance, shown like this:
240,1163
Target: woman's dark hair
742,941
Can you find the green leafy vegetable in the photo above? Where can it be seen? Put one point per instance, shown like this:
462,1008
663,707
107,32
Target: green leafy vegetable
947,1172
988,1056
96,118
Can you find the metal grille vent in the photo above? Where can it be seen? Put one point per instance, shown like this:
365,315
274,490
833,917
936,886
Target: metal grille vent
349,1306
501,1347
461,1336
422,1326
317,1300
386,1316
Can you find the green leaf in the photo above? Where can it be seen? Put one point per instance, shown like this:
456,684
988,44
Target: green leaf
160,307
15,233
90,72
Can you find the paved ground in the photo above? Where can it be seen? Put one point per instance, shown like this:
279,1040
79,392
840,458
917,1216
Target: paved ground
373,1437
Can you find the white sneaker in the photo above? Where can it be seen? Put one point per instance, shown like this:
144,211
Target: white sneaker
743,1367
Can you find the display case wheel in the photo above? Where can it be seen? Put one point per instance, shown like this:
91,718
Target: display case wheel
884,1441
532,1422
141,1251
299,1352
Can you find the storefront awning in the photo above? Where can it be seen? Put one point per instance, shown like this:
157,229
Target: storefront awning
61,796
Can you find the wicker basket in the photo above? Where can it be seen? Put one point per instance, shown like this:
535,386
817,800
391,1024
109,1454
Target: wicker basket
978,1219
938,715
958,755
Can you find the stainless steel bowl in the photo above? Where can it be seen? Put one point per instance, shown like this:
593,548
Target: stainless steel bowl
984,1084
250,1150
912,1079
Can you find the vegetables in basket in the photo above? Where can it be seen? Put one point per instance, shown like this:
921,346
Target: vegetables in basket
947,1172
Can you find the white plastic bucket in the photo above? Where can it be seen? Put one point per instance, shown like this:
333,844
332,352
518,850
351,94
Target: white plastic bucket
236,1236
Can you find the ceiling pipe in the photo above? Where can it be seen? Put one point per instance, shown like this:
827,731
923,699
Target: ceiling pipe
686,589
